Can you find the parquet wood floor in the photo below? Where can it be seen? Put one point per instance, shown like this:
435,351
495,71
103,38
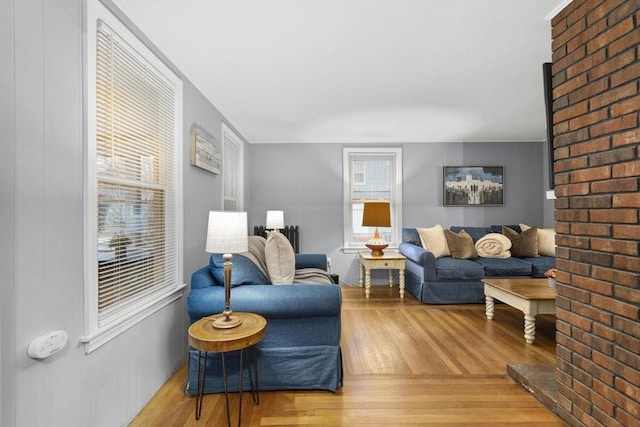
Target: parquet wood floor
405,364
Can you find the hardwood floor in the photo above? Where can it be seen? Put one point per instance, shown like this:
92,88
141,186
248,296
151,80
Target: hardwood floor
405,364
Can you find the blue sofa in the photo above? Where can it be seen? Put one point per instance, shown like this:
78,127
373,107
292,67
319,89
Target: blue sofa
447,280
301,348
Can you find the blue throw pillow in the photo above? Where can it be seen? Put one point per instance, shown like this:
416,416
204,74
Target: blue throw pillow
410,235
244,271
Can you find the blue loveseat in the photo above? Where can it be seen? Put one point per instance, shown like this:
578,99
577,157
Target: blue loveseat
447,280
301,348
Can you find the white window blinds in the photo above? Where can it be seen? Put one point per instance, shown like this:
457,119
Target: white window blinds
133,175
232,170
136,174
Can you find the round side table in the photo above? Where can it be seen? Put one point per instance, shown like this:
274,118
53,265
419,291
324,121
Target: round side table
204,337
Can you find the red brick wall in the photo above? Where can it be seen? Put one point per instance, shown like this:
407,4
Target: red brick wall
596,77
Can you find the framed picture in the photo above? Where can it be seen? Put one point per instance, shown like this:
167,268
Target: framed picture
473,185
206,152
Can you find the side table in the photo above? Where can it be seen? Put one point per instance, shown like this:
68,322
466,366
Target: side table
205,338
389,260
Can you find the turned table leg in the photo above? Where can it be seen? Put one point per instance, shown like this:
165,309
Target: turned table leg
367,282
529,328
489,307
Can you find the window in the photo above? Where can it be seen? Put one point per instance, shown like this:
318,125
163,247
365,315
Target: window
232,171
133,211
371,174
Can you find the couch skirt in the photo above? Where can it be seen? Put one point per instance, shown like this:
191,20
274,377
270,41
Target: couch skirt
289,368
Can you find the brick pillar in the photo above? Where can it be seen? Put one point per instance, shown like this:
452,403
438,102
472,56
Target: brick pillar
596,73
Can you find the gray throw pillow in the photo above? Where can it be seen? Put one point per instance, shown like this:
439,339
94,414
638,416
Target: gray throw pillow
461,245
523,245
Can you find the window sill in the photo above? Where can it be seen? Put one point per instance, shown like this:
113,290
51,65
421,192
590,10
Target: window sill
364,248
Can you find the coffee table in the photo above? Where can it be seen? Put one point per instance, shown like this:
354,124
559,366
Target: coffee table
531,296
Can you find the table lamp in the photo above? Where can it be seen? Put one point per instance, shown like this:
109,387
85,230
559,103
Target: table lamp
376,214
227,234
275,220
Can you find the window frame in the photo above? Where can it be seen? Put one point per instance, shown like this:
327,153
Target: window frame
395,154
97,332
227,134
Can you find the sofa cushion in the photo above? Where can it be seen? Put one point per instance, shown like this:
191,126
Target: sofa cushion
475,232
434,240
460,245
504,267
539,265
280,258
523,245
244,271
449,268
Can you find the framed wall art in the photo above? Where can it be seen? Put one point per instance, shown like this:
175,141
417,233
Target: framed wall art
473,185
206,152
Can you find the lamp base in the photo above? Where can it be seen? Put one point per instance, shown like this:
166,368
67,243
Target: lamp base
376,248
224,322
376,244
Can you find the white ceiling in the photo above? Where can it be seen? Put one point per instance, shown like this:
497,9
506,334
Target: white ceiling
361,71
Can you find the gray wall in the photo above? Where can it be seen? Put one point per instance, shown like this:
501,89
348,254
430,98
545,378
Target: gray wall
306,182
41,217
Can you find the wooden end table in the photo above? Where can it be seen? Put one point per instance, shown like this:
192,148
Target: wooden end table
205,338
389,260
531,296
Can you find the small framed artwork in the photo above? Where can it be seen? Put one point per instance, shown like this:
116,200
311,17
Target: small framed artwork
473,185
206,152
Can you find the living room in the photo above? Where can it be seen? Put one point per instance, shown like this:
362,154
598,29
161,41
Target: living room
42,227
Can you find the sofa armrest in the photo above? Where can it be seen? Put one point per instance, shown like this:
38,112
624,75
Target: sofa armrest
270,301
311,261
422,257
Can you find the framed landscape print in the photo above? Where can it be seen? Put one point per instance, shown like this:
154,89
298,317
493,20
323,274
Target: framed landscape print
206,152
473,185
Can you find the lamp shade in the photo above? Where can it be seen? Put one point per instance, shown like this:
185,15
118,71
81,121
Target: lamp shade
376,213
275,220
227,232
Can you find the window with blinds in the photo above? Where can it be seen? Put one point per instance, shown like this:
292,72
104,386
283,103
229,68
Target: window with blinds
133,174
371,174
232,171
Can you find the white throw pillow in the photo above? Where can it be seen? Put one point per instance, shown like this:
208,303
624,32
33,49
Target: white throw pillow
280,258
546,240
434,240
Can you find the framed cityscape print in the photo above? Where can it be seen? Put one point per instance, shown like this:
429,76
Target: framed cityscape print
206,152
473,185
